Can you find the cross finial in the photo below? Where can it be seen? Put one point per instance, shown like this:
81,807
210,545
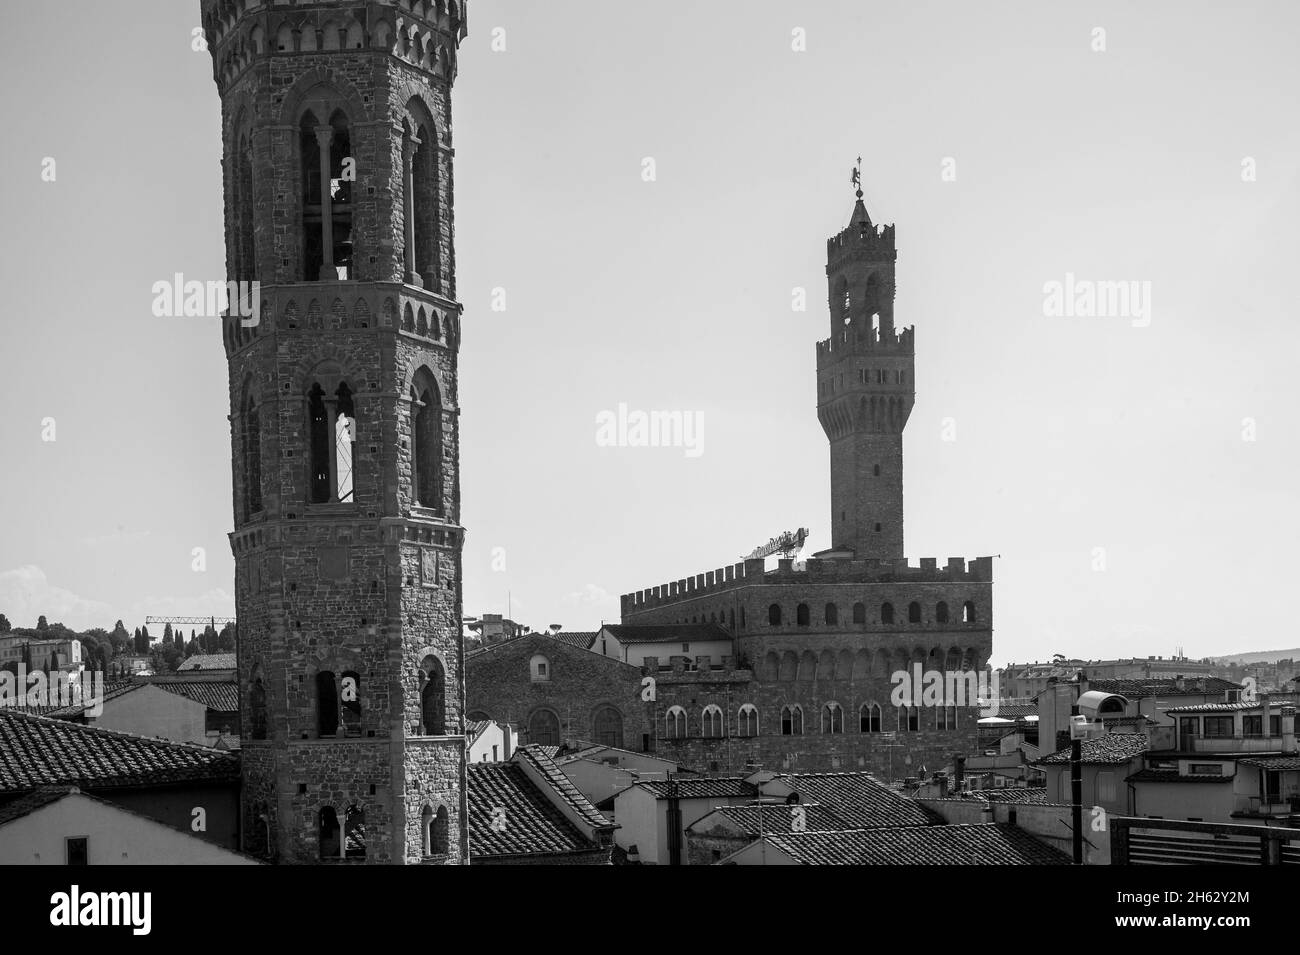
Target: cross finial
856,177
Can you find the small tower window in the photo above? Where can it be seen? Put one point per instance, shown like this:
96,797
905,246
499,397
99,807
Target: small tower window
426,441
941,612
774,615
252,458
433,696
876,470
327,705
802,615
832,615
914,612
886,612
968,612
859,612
350,700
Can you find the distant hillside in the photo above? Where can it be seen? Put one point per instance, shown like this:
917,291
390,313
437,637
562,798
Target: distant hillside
1262,656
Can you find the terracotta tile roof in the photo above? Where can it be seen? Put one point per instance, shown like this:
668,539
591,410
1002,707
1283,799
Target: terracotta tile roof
861,801
40,751
1171,776
1014,794
527,823
673,633
1016,711
582,639
38,799
1212,707
562,785
1193,686
699,787
1272,762
1103,750
221,696
984,844
208,661
774,817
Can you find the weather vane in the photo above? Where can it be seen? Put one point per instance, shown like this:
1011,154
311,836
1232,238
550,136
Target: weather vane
856,177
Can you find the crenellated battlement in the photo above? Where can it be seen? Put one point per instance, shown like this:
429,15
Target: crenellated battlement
814,570
860,339
424,33
859,239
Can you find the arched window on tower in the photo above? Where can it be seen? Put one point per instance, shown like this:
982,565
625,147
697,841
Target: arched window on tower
327,705
941,612
802,616
332,433
257,705
420,156
328,175
914,612
832,615
968,612
426,441
242,247
350,700
331,845
442,832
345,433
252,458
774,615
886,612
433,697
859,612
354,832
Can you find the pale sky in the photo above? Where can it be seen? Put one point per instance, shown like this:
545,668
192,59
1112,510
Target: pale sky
1072,433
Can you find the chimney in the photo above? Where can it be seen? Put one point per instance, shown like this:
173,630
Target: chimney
1265,709
507,741
1180,683
1288,728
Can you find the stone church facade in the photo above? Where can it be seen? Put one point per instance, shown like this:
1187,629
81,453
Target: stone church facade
338,183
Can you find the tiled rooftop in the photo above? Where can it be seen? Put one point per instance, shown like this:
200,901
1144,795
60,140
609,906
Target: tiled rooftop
1171,776
1013,794
700,787
1192,686
40,751
1273,762
1103,750
672,633
1213,708
984,844
858,799
510,816
751,819
208,661
561,784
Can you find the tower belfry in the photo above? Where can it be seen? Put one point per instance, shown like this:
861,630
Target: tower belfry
865,388
337,146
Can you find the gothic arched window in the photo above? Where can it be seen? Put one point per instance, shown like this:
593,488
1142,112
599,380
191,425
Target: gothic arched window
802,615
914,612
832,615
791,720
544,728
607,727
869,718
747,720
420,159
426,441
711,721
328,174
332,434
354,832
433,696
675,722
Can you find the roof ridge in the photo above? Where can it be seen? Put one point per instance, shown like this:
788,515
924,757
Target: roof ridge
119,734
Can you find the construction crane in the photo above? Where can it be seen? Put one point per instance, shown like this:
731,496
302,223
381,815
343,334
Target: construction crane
217,622
787,545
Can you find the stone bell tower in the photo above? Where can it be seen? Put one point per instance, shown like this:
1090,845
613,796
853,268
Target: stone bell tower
337,146
865,389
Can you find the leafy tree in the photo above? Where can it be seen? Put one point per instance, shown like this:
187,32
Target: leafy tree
192,648
42,623
226,639
5,625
